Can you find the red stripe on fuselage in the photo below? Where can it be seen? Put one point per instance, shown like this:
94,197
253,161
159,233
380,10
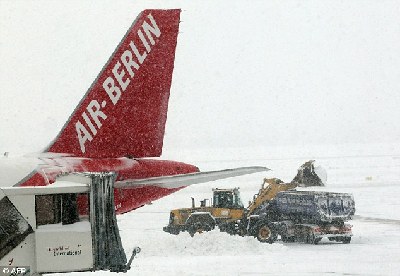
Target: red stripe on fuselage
127,169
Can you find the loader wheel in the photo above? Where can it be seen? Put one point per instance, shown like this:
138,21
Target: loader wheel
199,228
192,231
200,222
175,232
265,233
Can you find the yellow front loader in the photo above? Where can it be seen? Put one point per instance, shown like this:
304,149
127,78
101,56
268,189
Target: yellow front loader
225,210
225,206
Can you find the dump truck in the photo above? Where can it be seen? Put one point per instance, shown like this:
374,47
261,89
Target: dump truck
276,210
309,216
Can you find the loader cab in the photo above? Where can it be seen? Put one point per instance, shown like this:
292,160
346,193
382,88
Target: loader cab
227,198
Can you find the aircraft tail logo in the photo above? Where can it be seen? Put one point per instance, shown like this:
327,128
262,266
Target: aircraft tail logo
125,110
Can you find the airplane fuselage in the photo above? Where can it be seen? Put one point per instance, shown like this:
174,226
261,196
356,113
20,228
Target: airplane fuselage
43,171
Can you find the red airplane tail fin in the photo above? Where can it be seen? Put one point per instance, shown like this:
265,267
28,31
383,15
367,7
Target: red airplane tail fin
124,111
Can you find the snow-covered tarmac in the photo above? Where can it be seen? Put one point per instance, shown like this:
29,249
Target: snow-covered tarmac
373,179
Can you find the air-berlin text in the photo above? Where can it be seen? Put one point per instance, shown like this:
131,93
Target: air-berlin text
116,83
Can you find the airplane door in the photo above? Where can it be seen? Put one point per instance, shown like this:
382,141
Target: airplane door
63,239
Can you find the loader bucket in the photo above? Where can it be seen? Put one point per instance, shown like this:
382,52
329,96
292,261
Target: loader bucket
310,175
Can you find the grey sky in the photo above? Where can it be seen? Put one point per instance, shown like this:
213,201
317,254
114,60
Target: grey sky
246,72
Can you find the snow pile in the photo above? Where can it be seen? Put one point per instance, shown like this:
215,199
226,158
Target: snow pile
213,243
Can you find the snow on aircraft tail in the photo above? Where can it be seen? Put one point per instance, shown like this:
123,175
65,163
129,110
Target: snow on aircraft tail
124,111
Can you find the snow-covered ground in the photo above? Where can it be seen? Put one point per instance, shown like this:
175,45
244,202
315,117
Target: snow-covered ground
373,179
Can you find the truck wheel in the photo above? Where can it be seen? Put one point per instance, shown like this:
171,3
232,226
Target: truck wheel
288,239
265,233
346,239
311,239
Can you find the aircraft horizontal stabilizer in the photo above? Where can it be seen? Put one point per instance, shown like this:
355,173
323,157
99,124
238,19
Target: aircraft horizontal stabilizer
178,181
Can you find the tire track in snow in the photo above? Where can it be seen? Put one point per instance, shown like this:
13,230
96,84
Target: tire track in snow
380,220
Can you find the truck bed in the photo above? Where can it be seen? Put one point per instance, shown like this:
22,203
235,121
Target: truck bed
315,206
